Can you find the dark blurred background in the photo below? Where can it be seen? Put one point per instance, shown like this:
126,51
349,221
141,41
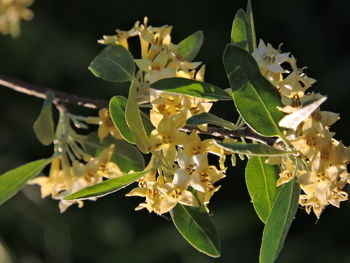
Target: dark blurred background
55,49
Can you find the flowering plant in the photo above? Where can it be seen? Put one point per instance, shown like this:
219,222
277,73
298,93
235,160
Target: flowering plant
293,158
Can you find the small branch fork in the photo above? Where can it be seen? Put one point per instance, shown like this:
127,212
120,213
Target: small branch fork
91,103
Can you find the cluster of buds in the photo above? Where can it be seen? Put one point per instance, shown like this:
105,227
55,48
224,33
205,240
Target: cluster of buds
185,175
321,170
11,14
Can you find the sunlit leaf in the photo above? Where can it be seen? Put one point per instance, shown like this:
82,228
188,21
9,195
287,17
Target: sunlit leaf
256,99
13,181
292,120
251,149
195,225
134,120
107,187
279,222
192,88
44,126
190,46
113,63
239,31
209,118
117,106
261,179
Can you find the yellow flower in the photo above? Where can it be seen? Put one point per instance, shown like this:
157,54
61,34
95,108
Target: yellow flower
107,126
11,14
167,133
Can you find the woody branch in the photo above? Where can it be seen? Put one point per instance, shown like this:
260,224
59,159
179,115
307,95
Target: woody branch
92,103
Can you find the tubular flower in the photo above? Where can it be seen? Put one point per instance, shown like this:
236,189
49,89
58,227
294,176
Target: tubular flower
106,126
323,173
66,178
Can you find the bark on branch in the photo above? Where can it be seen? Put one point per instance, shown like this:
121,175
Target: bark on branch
62,97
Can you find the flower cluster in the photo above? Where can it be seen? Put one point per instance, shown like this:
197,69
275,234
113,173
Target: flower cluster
11,14
321,170
185,176
72,168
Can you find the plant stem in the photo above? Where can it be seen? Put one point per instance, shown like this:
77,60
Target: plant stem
62,97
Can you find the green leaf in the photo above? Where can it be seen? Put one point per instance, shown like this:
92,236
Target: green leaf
261,179
147,123
195,225
113,63
126,156
107,187
279,222
190,46
191,88
251,149
13,181
239,31
208,118
134,120
117,106
243,31
251,27
256,99
43,126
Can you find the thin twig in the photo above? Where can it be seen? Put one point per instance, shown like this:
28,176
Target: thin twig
240,133
62,97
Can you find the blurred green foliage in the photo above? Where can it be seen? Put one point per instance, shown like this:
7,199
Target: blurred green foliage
55,49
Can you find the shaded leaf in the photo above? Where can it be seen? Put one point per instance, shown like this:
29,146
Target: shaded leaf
190,46
208,118
125,155
117,106
191,88
106,187
43,126
261,179
251,27
279,222
251,149
113,63
195,225
256,99
13,181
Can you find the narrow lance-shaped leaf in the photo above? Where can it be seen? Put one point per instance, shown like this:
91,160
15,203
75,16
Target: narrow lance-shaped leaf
107,187
252,149
134,120
209,118
113,63
256,99
192,88
43,126
13,181
279,222
261,180
190,46
195,225
117,106
251,27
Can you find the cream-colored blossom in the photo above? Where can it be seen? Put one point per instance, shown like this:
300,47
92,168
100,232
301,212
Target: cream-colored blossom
11,14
